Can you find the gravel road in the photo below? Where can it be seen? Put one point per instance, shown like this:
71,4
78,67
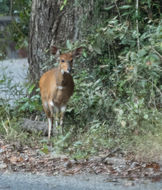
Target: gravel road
24,181
14,73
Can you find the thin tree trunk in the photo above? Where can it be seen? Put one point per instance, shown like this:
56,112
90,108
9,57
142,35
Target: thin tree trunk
11,7
137,27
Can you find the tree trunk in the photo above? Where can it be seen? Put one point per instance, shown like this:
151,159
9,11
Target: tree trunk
49,25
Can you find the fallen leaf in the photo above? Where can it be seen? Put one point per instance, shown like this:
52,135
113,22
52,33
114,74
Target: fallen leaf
20,159
13,159
153,165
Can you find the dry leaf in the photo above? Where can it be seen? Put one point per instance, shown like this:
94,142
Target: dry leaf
13,159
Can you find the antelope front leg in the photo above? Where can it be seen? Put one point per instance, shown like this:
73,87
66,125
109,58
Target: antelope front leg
63,108
50,123
56,119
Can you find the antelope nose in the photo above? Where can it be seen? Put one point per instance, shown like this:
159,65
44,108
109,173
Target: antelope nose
69,70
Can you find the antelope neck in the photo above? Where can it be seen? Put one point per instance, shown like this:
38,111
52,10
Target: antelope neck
61,79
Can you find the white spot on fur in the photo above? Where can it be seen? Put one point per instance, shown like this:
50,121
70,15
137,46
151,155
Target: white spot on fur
60,87
45,104
62,71
51,103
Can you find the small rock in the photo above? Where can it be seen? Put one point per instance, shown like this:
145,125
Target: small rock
129,183
1,150
3,166
68,164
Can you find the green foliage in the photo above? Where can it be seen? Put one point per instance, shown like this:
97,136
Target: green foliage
118,89
31,103
63,4
20,23
4,7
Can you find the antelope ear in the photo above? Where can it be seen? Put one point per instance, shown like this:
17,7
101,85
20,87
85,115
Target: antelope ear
54,50
77,51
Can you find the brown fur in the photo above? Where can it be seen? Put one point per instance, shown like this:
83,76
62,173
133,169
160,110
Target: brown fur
49,91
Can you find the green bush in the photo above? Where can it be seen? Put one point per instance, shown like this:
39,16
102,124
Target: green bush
118,89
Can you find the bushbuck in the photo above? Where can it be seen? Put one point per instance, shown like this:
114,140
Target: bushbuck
57,86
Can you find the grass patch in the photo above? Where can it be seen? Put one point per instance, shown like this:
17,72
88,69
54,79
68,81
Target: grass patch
148,147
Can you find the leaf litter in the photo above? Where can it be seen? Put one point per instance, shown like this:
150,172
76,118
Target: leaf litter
113,163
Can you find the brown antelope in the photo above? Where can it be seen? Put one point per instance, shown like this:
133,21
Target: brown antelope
56,87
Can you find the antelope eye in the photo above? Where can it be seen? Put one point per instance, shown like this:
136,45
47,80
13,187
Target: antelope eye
62,61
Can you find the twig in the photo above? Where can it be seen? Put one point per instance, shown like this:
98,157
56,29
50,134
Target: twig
117,10
17,28
157,53
4,126
110,154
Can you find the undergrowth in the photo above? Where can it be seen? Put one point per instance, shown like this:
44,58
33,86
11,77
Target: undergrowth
118,92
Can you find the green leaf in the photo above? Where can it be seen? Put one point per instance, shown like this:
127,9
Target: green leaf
45,149
61,8
78,143
30,90
142,52
84,54
125,7
108,8
63,5
97,50
145,116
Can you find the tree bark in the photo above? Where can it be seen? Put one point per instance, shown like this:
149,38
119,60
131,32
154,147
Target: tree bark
49,25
